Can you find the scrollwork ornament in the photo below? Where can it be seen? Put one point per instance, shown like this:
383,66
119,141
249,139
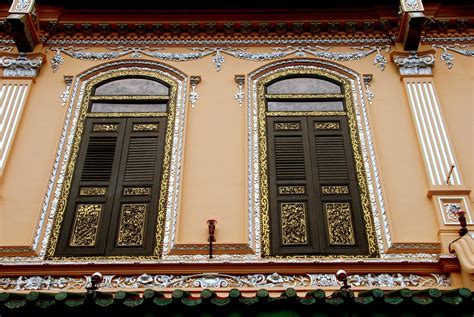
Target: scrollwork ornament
22,5
414,64
22,66
219,280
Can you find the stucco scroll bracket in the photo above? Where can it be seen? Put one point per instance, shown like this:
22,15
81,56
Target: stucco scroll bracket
239,96
22,65
65,95
413,63
367,80
193,95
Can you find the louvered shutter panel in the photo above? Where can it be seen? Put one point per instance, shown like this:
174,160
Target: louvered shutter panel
314,198
293,223
90,201
133,223
337,194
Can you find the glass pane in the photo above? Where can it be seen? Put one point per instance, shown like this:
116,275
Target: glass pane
128,107
132,87
305,106
305,85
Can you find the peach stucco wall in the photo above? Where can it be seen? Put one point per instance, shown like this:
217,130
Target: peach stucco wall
214,176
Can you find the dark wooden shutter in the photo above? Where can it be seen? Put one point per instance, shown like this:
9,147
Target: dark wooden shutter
337,193
114,196
87,216
133,223
291,187
314,198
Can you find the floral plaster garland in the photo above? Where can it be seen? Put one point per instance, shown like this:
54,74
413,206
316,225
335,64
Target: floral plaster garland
218,54
448,58
217,280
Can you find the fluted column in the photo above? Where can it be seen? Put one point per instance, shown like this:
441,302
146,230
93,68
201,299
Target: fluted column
15,83
446,186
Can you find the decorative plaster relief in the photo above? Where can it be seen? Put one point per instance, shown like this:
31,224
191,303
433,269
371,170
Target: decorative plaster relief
412,5
449,207
448,58
21,66
414,64
239,96
369,94
217,280
218,58
65,95
193,94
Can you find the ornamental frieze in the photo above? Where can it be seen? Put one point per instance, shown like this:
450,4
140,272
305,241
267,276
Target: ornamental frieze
218,280
219,54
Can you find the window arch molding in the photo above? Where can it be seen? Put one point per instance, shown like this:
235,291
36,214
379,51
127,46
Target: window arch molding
79,111
359,130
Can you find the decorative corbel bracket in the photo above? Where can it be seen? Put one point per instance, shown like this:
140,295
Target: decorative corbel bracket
413,64
239,96
23,20
22,65
411,25
193,95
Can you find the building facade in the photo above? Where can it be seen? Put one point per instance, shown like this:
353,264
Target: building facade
235,147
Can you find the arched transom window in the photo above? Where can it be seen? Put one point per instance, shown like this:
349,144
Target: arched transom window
117,172
311,172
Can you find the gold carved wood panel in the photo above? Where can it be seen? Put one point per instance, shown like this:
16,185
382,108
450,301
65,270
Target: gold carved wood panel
132,224
293,223
86,225
339,222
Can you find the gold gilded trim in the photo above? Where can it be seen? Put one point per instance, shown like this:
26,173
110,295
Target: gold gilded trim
284,126
304,113
132,225
104,127
83,114
326,125
335,190
126,114
291,190
137,191
315,97
339,222
263,158
293,223
130,98
140,127
86,225
92,191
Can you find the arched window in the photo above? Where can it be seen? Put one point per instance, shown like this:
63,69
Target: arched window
313,189
115,190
